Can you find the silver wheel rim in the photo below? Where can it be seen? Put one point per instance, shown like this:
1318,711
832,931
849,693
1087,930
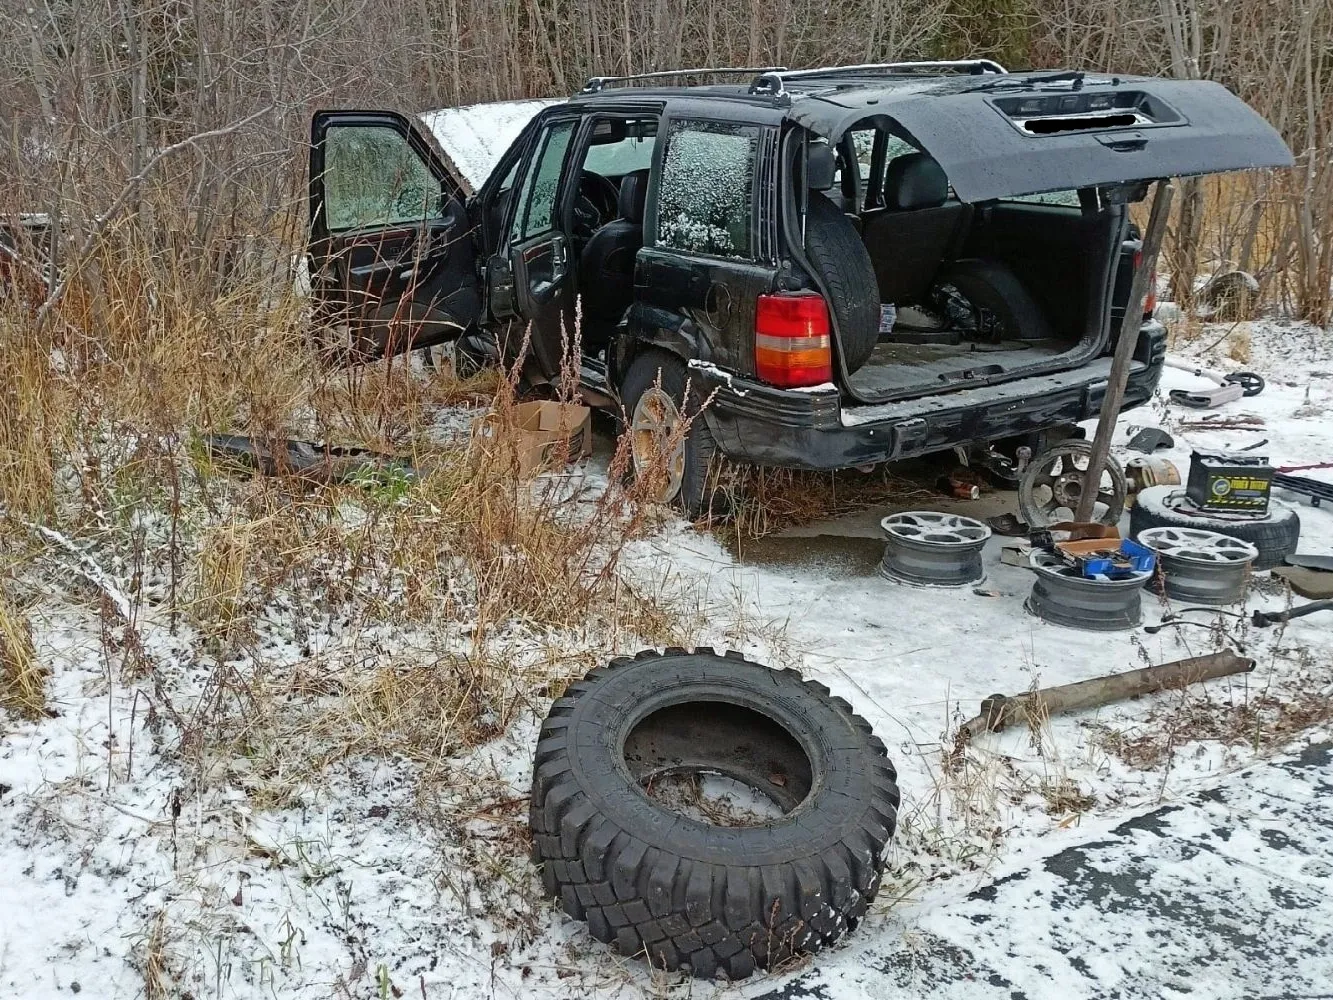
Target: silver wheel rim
935,528
1198,545
1057,486
927,548
1049,565
653,425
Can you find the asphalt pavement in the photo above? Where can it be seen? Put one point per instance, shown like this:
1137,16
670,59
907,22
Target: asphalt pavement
1228,894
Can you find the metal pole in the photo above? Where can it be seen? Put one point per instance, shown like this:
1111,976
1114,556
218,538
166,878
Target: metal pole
1124,351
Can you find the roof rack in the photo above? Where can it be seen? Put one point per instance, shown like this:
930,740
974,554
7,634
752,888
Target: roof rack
598,83
771,81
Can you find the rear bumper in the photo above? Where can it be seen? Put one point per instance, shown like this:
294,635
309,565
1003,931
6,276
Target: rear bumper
760,425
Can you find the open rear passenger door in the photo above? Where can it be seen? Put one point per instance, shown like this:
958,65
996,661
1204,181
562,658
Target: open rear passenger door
393,263
531,277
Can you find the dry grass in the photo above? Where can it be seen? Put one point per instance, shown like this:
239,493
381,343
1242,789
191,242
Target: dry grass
22,677
1261,722
773,500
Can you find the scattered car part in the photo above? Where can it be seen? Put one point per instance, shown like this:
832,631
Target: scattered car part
1107,558
1008,524
998,712
1228,297
1201,566
1050,487
1241,422
1255,446
1229,484
1312,583
1230,387
1317,491
1150,470
1262,619
1175,620
1275,534
1305,468
1151,439
688,894
1062,595
1308,560
315,462
931,549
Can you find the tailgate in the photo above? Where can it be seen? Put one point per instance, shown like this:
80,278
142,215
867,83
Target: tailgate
1016,139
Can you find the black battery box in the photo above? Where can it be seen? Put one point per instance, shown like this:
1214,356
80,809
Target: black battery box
1233,484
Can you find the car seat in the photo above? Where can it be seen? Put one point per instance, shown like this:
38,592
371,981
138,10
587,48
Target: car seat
606,268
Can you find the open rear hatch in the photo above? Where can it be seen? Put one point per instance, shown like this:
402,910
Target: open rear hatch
1002,139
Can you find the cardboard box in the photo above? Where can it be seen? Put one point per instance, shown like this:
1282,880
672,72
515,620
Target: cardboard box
542,434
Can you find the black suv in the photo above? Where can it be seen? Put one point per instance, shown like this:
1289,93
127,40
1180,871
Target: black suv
842,266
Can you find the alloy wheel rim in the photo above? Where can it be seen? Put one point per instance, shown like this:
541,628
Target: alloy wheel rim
654,433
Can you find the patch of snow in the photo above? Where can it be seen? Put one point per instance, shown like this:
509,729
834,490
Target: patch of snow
360,884
475,136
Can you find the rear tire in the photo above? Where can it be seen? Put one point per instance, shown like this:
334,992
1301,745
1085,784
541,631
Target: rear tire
695,494
1275,536
843,264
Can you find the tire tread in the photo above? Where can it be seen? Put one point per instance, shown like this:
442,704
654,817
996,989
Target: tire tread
683,914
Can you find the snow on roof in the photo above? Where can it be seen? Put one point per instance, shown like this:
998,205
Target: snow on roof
475,136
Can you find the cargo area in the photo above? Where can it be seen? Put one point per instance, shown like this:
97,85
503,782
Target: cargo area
979,293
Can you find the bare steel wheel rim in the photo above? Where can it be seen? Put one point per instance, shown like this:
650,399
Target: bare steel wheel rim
655,441
1063,596
1198,545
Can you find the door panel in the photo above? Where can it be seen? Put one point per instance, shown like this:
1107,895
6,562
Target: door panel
392,256
540,290
542,294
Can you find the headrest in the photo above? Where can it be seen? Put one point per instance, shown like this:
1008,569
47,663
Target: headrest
633,195
914,181
820,166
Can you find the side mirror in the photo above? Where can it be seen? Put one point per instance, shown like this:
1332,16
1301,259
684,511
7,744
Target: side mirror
820,166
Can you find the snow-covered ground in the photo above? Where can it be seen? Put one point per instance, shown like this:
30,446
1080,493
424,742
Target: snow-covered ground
118,878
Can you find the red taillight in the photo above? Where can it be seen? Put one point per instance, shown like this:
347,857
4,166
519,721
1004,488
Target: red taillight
791,340
1150,300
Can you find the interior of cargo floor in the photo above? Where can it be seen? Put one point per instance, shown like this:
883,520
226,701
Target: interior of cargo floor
895,367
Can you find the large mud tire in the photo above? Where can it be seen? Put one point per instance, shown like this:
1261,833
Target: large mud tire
686,894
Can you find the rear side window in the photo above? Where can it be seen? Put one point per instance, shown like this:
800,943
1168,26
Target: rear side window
705,197
1068,199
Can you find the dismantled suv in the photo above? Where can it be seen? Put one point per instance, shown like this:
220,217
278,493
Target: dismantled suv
848,265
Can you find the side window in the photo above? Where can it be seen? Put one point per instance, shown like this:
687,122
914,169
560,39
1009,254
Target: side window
1069,199
616,159
863,144
541,186
704,198
373,177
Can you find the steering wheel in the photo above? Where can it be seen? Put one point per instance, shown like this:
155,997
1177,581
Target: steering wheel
596,204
